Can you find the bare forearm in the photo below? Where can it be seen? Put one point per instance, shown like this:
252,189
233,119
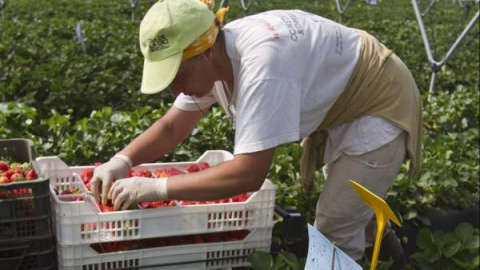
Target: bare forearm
153,144
162,137
221,181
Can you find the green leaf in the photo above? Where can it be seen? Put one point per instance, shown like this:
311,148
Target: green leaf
260,260
476,261
301,263
464,232
425,239
433,254
290,259
425,221
278,263
473,242
448,154
411,214
418,256
451,248
462,264
438,239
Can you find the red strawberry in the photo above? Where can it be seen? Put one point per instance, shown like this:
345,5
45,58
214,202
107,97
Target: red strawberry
19,171
186,203
96,164
110,247
197,239
4,180
134,173
186,239
203,166
5,194
146,205
151,243
107,208
31,175
174,171
239,235
159,204
17,177
73,190
145,173
167,172
66,192
193,168
161,173
86,175
3,166
128,245
240,198
211,237
173,241
8,173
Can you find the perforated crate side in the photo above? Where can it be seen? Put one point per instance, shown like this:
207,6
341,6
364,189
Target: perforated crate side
28,254
196,256
25,210
82,223
19,150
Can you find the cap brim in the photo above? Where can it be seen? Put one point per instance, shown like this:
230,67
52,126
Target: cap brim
157,75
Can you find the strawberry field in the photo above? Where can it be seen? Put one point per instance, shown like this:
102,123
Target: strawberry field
70,74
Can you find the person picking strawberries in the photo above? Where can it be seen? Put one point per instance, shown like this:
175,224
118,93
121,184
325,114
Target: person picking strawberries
282,76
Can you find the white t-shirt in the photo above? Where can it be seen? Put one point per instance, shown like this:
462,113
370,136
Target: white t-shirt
289,68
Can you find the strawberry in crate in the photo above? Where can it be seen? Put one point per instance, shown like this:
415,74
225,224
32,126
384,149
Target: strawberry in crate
167,172
158,204
107,207
160,173
16,172
73,190
197,167
87,174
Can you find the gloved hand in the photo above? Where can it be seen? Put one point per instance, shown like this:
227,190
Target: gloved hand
130,191
105,174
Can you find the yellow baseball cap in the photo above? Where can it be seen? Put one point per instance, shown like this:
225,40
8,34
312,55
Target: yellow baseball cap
167,29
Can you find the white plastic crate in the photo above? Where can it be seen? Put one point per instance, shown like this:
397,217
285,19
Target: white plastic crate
195,256
83,223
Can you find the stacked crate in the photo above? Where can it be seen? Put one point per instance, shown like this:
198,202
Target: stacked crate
26,236
190,236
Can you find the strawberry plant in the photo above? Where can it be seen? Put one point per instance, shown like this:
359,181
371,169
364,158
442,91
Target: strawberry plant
451,250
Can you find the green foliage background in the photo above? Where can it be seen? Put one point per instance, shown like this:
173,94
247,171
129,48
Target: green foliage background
85,107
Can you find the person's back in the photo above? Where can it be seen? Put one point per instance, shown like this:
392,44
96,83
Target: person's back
313,56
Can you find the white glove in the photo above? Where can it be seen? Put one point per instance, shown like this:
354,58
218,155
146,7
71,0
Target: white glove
104,175
130,191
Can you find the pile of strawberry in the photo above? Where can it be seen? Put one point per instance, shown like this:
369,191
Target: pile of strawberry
87,174
16,172
12,172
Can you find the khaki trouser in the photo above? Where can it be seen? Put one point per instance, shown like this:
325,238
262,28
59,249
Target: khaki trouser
341,215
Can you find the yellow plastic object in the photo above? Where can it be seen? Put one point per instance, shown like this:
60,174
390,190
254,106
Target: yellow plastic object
383,213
